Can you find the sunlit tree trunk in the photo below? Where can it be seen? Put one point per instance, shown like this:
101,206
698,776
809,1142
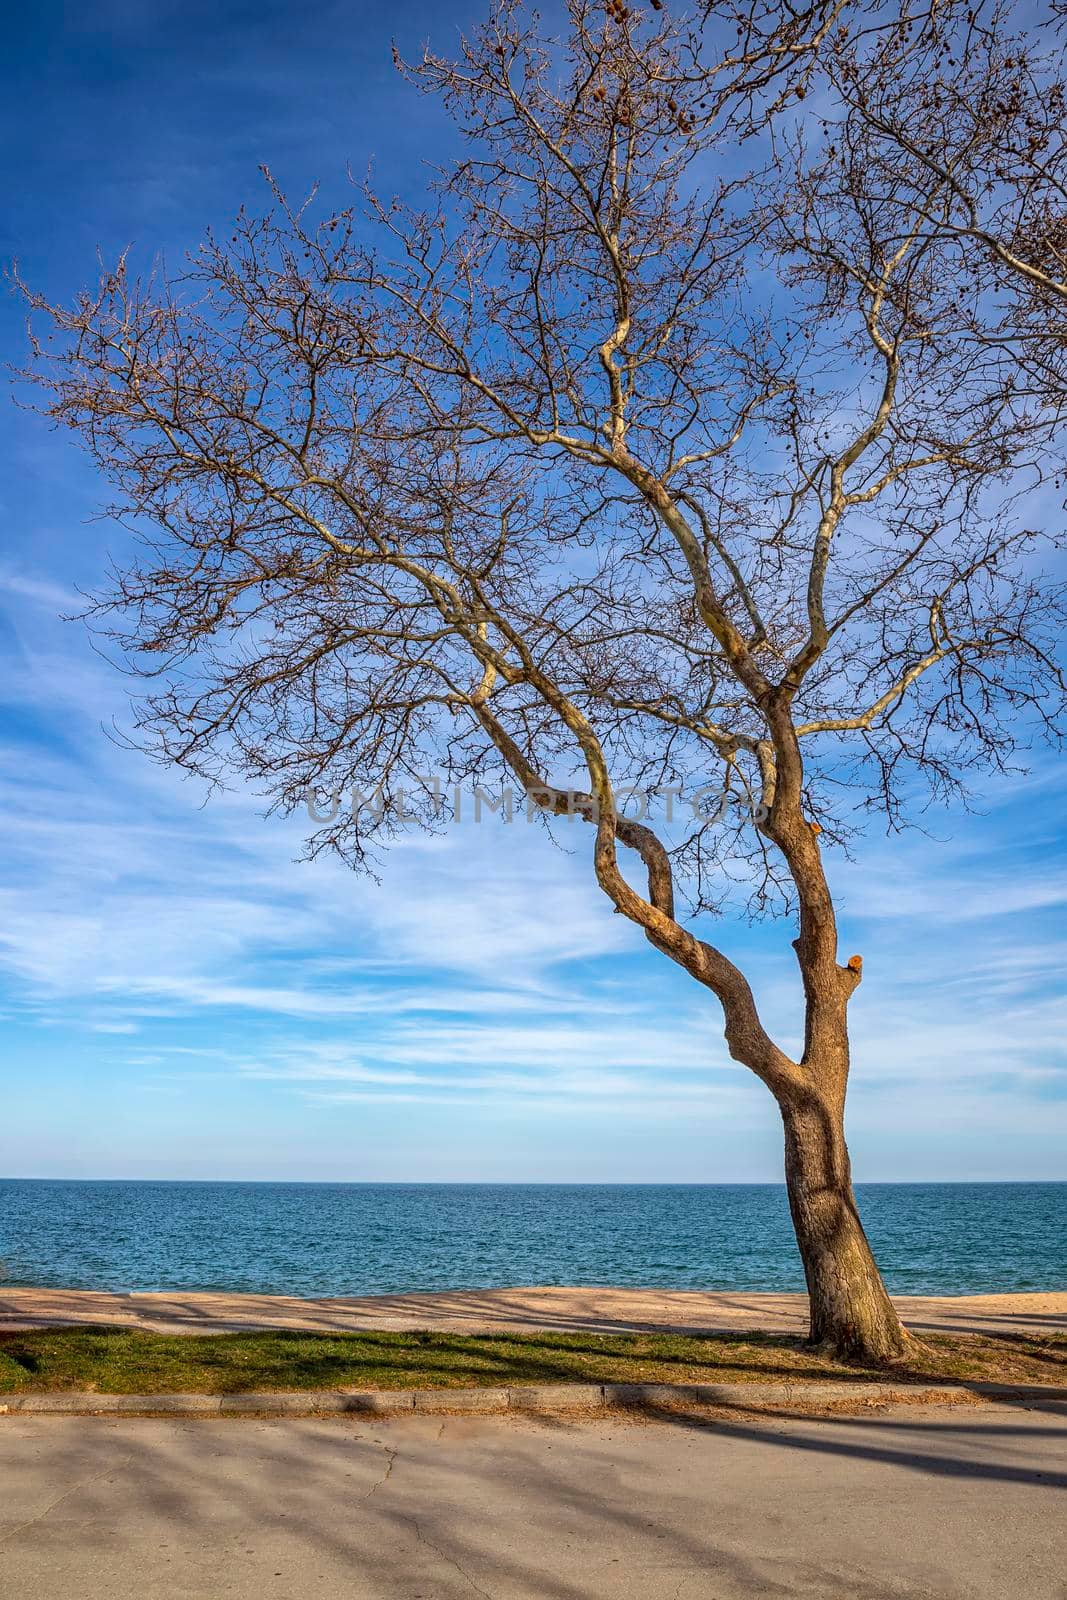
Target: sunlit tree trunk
851,1313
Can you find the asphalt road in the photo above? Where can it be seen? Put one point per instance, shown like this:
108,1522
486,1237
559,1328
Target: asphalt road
934,1503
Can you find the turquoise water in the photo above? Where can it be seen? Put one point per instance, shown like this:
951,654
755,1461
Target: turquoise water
336,1239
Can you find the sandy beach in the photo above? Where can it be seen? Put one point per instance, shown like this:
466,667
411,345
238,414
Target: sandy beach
595,1310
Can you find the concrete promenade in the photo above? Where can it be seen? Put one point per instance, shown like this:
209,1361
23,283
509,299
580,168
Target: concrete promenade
938,1504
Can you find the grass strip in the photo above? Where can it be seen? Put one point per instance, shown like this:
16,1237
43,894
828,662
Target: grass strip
109,1360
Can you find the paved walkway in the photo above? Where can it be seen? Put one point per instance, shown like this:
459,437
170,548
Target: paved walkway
924,1503
479,1310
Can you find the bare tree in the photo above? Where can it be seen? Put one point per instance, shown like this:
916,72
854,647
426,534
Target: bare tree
963,126
626,460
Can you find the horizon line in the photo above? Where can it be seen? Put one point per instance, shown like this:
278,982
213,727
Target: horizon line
542,1183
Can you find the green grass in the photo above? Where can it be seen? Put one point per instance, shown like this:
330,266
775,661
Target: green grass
121,1361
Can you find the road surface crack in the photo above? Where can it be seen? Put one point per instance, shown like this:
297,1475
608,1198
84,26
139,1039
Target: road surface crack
82,1483
464,1574
390,1464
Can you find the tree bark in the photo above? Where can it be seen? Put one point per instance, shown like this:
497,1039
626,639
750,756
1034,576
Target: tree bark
851,1312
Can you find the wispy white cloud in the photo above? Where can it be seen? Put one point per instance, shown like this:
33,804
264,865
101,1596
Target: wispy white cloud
485,970
40,591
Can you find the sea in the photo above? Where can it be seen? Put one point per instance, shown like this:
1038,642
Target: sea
368,1238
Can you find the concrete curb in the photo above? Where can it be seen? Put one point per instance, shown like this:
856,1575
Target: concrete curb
529,1400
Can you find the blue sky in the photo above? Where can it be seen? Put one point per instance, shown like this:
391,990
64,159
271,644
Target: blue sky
180,998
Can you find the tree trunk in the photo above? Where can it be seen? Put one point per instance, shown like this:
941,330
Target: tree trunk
851,1313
